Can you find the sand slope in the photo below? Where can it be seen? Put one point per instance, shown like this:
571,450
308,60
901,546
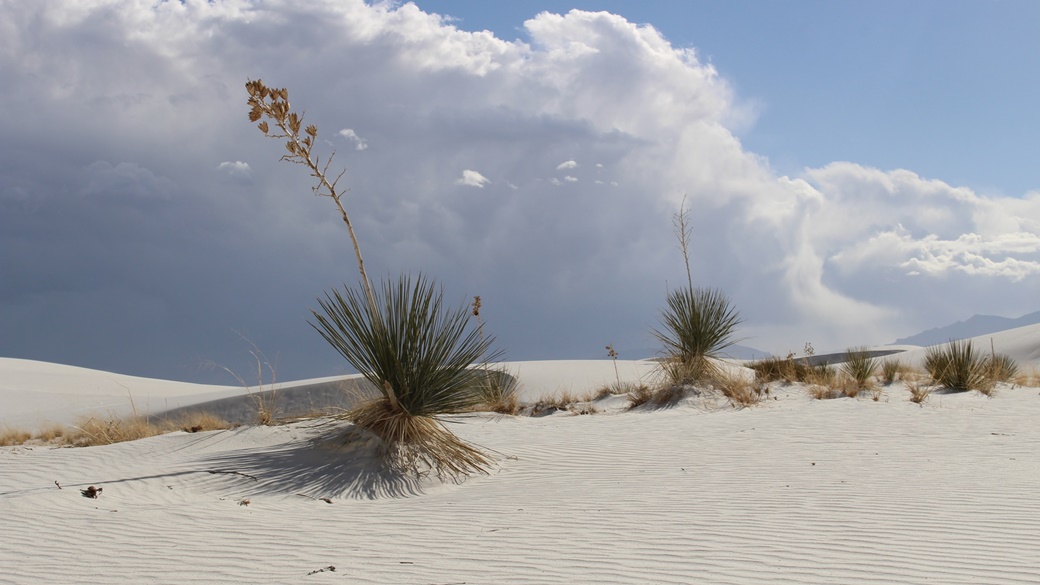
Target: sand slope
792,491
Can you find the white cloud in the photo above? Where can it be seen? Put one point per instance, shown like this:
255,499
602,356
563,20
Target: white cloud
473,179
236,168
349,134
570,179
567,165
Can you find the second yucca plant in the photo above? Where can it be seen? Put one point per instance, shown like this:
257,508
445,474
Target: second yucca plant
697,325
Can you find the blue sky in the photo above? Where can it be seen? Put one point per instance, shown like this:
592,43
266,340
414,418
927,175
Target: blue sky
947,88
857,172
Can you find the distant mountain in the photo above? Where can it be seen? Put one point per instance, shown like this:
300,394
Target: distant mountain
975,326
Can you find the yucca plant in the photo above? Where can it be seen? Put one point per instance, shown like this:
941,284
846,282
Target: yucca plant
698,325
958,366
412,348
859,366
417,353
890,370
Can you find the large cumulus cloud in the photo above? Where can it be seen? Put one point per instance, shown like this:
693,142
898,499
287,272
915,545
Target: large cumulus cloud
145,222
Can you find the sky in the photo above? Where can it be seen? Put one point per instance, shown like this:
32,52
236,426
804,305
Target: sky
855,172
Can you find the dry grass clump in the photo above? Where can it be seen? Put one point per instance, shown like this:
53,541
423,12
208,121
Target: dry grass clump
919,391
197,422
1029,379
1002,367
106,431
740,391
567,401
959,366
778,369
10,436
497,389
418,443
825,391
94,431
791,370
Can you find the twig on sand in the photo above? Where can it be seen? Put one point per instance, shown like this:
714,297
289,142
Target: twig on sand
215,471
329,568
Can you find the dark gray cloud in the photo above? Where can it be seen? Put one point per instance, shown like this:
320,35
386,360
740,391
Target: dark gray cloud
145,224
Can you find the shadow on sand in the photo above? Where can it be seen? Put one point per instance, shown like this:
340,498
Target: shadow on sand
323,467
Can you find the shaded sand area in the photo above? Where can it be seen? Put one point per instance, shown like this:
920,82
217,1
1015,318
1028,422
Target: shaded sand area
791,491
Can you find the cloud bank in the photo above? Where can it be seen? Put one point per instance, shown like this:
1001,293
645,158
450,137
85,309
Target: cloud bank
144,221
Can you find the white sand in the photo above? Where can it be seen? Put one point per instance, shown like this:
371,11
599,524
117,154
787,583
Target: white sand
791,491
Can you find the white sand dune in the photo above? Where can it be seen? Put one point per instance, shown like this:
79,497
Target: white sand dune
791,491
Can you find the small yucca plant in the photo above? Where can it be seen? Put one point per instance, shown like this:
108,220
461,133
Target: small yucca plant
418,354
698,324
890,370
859,366
958,366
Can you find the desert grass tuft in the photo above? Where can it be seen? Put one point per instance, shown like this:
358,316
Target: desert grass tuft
777,369
740,391
197,422
824,391
10,436
1001,367
959,366
919,391
1030,378
497,389
106,431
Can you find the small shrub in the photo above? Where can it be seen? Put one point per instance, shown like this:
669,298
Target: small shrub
958,366
859,367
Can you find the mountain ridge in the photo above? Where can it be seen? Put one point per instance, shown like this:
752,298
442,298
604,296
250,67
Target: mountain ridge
974,326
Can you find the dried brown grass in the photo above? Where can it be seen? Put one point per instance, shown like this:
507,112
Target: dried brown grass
420,445
96,430
740,391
